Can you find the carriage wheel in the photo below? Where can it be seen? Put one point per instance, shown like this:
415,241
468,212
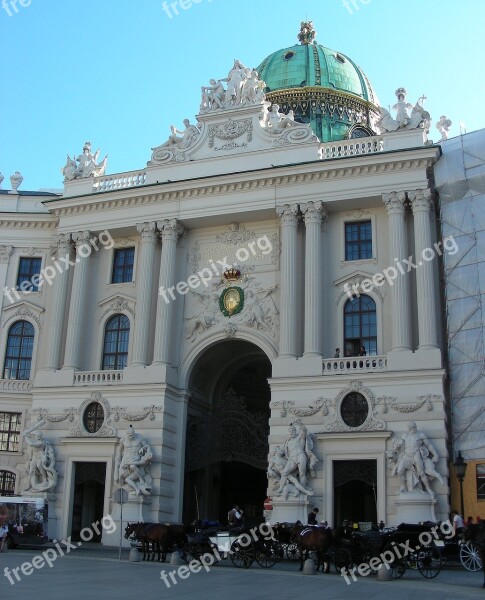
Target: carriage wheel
267,554
293,551
192,550
366,558
429,562
342,559
398,568
469,557
242,556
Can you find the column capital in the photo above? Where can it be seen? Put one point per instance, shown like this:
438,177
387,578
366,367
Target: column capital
147,231
394,203
5,253
314,212
80,238
288,214
421,200
170,229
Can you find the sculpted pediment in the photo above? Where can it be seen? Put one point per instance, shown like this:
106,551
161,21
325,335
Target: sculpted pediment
21,310
117,303
233,119
355,279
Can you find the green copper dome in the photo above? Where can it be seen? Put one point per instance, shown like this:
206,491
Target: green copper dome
324,87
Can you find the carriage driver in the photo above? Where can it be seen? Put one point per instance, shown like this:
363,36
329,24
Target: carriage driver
234,517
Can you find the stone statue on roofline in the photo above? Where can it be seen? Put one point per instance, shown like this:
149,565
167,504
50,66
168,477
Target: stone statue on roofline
85,165
418,117
443,126
243,88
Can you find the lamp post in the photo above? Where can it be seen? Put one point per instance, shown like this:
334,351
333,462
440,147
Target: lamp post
460,469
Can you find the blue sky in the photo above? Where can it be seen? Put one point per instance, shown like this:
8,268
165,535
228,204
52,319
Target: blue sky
119,72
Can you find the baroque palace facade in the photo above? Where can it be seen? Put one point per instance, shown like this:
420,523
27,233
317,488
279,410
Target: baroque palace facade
246,303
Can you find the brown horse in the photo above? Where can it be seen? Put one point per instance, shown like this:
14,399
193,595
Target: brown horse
313,539
162,538
136,531
476,533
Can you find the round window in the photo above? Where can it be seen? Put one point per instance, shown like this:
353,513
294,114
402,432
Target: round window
354,409
289,55
93,417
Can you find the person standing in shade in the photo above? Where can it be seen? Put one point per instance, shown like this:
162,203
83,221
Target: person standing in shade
235,517
312,517
363,351
337,353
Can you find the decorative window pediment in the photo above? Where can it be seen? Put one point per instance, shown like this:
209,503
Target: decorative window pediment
356,278
22,310
115,304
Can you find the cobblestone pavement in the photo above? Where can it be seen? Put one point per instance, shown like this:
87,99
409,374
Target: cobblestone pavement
91,574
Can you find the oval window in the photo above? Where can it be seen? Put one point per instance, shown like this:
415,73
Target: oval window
354,410
93,417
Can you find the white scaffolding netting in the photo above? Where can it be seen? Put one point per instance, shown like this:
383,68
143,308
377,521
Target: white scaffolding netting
460,180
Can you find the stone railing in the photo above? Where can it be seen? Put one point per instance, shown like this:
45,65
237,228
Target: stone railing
98,377
354,147
15,385
120,181
351,364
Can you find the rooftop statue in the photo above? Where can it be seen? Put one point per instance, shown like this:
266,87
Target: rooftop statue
307,33
243,87
16,179
181,140
443,126
418,117
85,165
275,122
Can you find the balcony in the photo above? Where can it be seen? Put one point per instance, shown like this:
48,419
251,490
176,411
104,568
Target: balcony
354,364
15,385
98,377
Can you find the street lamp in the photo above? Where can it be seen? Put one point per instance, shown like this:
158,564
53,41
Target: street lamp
460,469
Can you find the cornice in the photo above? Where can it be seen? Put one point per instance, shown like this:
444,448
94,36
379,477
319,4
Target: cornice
27,221
307,173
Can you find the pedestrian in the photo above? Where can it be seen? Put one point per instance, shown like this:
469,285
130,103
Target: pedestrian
363,351
337,353
458,524
312,517
235,517
3,535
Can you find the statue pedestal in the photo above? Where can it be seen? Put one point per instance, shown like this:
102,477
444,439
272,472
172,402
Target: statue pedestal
134,511
291,510
414,507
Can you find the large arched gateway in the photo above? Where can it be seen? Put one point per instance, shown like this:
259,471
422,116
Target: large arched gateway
227,431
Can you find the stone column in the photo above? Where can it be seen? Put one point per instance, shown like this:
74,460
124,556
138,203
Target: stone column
5,253
421,203
78,294
400,295
288,215
59,306
170,230
144,286
313,213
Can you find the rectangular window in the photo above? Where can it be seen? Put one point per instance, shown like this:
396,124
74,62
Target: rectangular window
124,259
10,431
358,240
480,482
28,267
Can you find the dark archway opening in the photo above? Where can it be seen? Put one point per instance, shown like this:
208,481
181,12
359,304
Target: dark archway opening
227,433
88,502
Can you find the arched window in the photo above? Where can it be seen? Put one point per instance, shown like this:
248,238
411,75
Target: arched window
7,483
115,348
18,357
360,326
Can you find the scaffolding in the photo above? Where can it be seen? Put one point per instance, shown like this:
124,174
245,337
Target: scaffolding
460,180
